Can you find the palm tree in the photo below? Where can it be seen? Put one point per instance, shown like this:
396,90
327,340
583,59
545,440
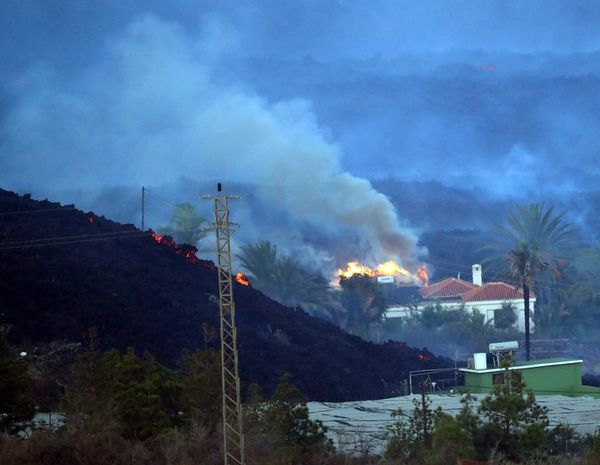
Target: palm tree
260,261
285,280
364,304
540,228
534,240
186,226
525,261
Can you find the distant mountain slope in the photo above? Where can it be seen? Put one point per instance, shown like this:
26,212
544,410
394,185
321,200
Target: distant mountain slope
92,272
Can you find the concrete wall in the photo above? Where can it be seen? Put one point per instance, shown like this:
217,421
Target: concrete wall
542,380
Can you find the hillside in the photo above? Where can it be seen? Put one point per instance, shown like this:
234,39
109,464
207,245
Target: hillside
63,271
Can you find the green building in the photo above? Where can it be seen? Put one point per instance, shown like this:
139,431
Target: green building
556,376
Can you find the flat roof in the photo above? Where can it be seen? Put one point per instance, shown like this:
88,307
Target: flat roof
353,423
547,362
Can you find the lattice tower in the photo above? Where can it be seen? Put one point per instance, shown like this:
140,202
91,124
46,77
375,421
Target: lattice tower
233,436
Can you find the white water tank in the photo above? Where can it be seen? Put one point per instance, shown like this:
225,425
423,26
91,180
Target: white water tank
503,346
480,361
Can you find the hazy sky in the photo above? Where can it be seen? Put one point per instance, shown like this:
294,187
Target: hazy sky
308,99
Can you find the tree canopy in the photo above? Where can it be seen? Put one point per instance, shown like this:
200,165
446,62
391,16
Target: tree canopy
186,227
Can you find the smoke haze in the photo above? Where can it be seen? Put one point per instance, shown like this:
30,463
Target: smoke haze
148,112
303,105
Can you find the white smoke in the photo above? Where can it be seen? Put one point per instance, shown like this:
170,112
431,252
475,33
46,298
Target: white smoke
150,111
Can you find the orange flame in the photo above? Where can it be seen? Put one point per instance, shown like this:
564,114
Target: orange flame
241,278
389,268
423,275
188,251
163,240
353,268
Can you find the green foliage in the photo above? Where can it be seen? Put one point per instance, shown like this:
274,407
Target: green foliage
451,440
364,304
515,423
538,227
525,262
506,316
535,242
16,405
187,227
435,315
260,260
88,399
508,423
564,440
446,330
202,387
285,416
147,395
284,280
409,437
138,393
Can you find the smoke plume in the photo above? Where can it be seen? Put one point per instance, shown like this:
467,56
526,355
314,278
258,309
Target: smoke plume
150,111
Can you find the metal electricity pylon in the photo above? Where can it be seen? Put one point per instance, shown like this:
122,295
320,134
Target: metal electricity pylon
233,436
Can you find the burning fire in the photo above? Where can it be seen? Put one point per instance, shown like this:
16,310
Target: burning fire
353,268
423,275
389,268
188,251
163,240
241,278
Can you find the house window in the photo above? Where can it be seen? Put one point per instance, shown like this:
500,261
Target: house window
516,380
505,317
498,378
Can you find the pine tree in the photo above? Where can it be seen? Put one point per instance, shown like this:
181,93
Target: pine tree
513,419
202,387
286,417
16,405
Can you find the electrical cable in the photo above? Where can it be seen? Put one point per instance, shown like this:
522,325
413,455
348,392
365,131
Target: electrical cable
76,236
160,199
23,212
132,234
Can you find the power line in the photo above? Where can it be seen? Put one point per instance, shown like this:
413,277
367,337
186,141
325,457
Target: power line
76,236
160,199
132,234
25,212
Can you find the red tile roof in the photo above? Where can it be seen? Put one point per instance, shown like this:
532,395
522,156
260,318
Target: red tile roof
493,291
449,287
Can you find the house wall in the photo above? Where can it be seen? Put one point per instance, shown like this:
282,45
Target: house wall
544,380
485,307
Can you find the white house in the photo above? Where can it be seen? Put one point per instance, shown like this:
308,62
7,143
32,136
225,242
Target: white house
487,298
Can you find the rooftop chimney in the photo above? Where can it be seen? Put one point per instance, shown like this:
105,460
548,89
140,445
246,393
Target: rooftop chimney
477,279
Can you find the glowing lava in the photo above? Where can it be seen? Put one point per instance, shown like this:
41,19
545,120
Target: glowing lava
188,251
389,268
241,278
163,240
423,357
